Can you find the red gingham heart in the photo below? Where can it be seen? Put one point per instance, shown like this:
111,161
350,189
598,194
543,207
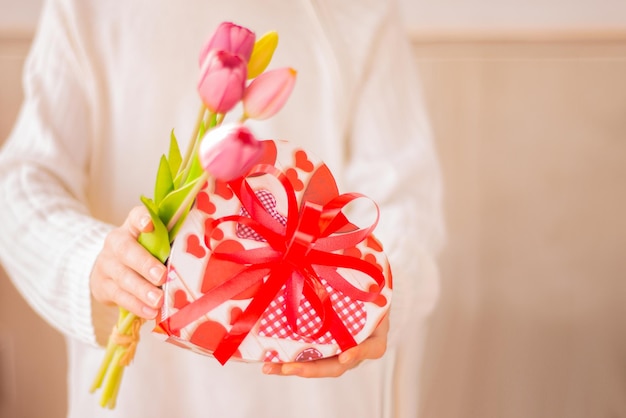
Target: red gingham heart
272,356
274,323
269,203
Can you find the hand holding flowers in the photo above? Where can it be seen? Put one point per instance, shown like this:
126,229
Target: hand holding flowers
228,61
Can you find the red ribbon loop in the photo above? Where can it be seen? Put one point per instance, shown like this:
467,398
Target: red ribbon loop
297,255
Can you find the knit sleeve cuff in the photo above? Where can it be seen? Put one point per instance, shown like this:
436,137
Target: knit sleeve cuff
91,321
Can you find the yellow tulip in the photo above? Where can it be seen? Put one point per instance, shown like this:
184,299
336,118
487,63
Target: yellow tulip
262,53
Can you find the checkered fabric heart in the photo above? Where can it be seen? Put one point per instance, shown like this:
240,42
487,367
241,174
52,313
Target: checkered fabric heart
271,356
274,323
269,203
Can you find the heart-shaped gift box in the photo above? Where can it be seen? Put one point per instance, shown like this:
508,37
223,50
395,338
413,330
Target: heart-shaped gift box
269,267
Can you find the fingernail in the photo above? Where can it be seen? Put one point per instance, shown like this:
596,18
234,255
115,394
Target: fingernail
157,274
345,357
144,221
154,297
149,312
267,368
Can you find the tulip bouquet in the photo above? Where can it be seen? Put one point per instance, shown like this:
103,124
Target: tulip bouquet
233,64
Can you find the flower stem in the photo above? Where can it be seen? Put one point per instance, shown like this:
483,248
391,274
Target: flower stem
116,389
210,120
113,380
194,137
104,367
126,323
114,352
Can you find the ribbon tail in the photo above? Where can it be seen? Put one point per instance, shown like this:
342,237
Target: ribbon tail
213,298
293,296
332,322
340,333
246,321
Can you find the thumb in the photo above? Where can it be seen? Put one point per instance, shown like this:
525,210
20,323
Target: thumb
138,221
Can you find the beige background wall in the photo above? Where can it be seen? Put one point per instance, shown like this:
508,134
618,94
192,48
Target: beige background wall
531,130
441,15
480,15
532,137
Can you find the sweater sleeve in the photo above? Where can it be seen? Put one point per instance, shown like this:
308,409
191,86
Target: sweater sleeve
393,160
49,241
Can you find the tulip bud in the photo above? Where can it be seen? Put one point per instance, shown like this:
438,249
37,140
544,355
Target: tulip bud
229,151
267,93
262,53
222,81
232,38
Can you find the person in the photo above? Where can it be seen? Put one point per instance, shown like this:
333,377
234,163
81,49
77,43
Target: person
105,83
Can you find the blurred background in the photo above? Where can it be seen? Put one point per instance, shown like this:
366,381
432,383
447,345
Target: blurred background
528,105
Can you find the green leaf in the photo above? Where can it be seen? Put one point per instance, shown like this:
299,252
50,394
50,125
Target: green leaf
170,204
179,223
195,170
164,182
174,156
183,177
157,241
178,179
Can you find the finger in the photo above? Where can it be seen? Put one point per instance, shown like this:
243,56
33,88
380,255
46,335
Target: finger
114,283
327,367
130,253
372,348
131,282
118,296
138,221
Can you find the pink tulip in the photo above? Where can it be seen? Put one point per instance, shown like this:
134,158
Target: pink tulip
232,38
222,81
229,151
267,93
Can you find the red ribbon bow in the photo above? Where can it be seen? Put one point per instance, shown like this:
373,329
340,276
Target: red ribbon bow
297,254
